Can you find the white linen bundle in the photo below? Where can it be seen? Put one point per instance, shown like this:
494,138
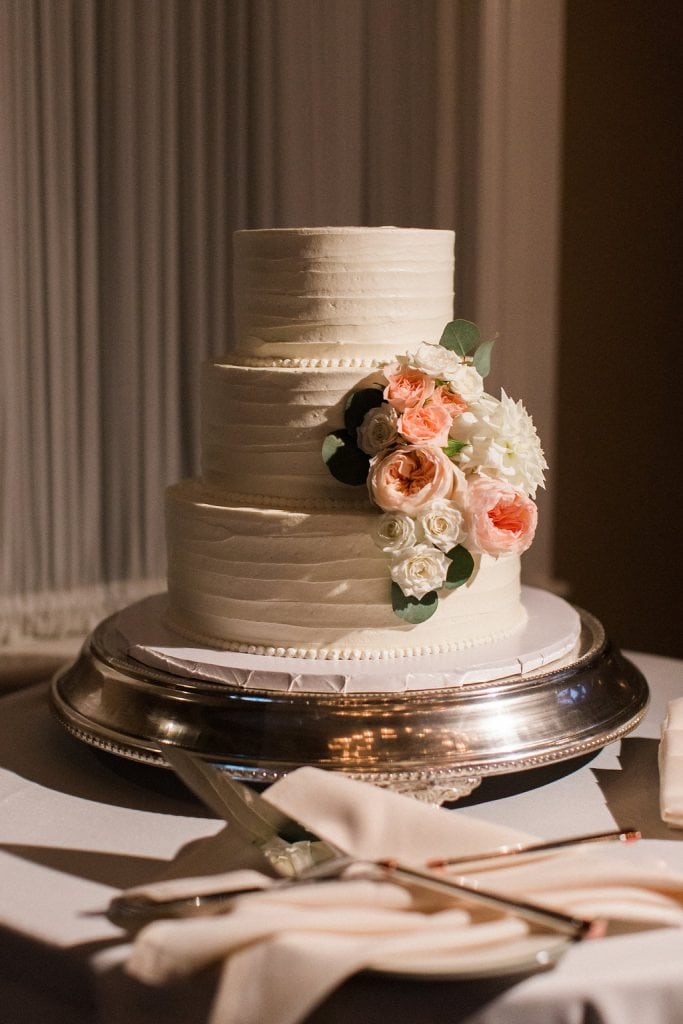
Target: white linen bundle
671,766
283,951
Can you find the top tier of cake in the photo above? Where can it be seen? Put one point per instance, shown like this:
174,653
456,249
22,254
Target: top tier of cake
317,311
339,296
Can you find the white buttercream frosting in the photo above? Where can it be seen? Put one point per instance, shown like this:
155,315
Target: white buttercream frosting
340,293
312,584
262,430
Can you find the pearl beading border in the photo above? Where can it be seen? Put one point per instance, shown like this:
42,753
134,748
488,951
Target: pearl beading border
344,654
305,363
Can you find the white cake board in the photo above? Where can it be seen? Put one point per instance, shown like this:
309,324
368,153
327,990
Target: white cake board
551,632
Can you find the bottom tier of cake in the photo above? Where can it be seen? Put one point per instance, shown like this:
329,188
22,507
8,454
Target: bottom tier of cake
313,584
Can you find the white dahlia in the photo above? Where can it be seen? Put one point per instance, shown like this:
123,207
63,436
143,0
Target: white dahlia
501,443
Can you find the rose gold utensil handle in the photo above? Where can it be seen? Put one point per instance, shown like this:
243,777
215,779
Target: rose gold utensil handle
552,920
630,835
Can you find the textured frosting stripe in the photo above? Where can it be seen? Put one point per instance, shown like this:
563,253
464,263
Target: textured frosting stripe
341,293
268,579
262,431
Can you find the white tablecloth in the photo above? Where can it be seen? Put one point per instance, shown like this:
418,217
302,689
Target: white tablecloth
76,827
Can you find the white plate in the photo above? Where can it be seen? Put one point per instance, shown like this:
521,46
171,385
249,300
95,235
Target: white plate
521,956
526,954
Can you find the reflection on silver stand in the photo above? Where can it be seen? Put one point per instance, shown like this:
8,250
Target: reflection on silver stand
436,745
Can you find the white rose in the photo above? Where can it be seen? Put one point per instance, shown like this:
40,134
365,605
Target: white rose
442,524
436,360
467,381
395,531
419,570
378,429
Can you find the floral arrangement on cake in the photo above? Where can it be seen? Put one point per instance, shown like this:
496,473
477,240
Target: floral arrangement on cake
453,470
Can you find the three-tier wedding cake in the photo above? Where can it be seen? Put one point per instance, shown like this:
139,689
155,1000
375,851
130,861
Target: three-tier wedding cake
361,495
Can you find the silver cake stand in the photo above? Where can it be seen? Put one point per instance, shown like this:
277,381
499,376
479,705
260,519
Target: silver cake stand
435,744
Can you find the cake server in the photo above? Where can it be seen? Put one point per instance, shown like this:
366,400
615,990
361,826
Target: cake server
294,850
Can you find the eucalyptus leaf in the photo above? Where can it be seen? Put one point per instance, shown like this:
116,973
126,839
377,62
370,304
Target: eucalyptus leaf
460,336
344,459
410,609
482,358
453,447
461,567
358,404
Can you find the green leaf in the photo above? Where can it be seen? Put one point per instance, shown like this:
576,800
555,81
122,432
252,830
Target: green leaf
482,358
461,567
460,336
410,609
358,404
344,459
453,447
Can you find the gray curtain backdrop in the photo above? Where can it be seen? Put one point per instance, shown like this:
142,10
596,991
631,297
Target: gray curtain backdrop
135,136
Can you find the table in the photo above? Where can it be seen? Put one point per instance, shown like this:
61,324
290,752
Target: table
76,826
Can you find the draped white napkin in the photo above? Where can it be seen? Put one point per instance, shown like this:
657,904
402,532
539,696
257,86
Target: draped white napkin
284,950
671,765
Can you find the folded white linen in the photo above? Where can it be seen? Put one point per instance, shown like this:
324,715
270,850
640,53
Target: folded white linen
671,765
284,950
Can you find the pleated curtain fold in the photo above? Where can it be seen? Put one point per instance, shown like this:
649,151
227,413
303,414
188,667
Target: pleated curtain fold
135,136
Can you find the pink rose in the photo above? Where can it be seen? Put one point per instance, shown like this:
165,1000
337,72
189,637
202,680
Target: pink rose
450,400
407,388
502,520
409,478
426,424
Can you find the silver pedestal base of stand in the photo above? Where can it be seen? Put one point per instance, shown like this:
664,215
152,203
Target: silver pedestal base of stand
436,745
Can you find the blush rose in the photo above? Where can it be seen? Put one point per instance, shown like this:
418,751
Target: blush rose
502,520
426,424
454,403
409,478
407,387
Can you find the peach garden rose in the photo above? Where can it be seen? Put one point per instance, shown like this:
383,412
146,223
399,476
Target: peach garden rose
454,403
407,387
426,424
502,519
409,478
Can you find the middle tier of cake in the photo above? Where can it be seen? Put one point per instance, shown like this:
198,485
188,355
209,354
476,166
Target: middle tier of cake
262,431
298,583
